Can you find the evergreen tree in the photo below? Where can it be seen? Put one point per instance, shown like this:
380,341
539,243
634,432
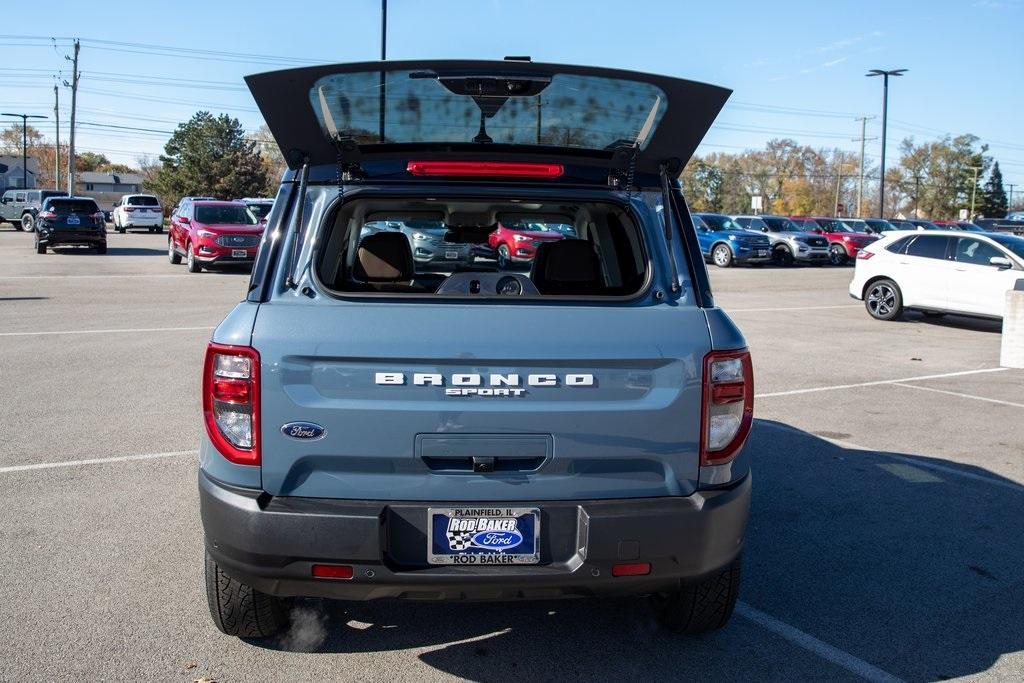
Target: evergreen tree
209,155
995,204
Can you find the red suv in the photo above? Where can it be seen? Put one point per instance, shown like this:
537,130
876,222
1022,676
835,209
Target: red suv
213,232
843,241
518,244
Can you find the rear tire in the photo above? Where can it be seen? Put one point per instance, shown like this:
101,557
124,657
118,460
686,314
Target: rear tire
101,248
193,263
883,300
28,223
721,256
172,256
40,248
701,606
241,610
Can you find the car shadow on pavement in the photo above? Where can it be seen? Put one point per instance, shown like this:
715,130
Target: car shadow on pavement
962,322
135,251
909,563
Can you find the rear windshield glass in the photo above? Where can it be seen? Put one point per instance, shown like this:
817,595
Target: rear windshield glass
224,215
260,210
63,207
141,200
478,249
568,111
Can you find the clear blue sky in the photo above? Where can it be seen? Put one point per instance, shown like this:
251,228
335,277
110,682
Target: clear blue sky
797,68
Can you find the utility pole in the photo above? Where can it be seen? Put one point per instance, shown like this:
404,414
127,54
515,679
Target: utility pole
860,187
974,187
74,102
917,196
24,143
1009,201
885,117
839,183
56,147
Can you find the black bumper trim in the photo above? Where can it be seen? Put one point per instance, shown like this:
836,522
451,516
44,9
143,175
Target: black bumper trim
271,544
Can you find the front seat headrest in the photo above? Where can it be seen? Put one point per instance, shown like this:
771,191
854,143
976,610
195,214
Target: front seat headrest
569,266
384,257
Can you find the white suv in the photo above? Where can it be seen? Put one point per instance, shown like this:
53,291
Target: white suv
938,273
138,211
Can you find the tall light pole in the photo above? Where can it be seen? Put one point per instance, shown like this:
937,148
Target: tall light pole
885,114
24,143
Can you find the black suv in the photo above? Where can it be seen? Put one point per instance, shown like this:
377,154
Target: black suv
71,221
20,207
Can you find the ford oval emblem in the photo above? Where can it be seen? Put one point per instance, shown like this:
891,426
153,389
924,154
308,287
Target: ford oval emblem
497,540
308,431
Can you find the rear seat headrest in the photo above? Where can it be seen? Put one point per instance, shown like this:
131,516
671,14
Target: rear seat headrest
384,257
568,266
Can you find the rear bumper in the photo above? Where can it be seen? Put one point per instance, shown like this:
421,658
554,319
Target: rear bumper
148,221
271,544
52,238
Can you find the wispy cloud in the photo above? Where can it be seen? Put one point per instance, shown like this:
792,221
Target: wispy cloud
850,41
996,4
833,62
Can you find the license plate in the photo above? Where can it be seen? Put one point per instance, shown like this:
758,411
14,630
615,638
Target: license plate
762,252
451,255
483,536
74,220
239,253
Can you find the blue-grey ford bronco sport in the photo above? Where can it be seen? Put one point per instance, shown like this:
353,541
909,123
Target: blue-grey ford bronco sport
382,427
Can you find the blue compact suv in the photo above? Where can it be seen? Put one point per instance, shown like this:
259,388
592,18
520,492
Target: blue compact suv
725,242
383,426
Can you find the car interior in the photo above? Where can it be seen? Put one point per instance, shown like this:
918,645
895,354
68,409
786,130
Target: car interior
574,249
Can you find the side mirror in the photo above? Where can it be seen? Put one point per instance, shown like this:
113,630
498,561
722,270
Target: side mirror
3,200
183,220
1000,262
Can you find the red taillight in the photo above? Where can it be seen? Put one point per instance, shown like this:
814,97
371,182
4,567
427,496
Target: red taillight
231,402
491,169
865,254
727,405
332,571
129,209
99,216
632,569
48,216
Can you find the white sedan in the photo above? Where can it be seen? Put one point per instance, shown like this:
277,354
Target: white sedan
937,273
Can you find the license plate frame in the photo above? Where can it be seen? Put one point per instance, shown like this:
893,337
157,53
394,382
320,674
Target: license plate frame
462,547
74,220
451,255
239,253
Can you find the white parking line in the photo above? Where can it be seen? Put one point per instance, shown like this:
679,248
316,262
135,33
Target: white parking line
914,462
835,387
840,658
789,308
108,331
88,277
957,393
92,461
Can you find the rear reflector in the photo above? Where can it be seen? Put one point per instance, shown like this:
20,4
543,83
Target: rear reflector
490,169
332,571
633,569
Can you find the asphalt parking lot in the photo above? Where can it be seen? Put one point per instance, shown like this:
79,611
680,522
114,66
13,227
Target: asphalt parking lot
885,539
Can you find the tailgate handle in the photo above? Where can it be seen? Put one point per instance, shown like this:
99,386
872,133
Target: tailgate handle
482,464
